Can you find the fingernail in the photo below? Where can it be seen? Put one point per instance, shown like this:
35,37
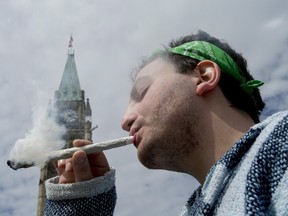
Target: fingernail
61,162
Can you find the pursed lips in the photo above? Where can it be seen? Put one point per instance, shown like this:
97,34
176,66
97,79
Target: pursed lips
133,132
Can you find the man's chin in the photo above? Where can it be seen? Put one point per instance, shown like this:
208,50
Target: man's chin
146,160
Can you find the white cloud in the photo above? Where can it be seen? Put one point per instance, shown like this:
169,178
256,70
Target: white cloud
275,22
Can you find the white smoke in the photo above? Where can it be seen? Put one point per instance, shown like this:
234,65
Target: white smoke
45,136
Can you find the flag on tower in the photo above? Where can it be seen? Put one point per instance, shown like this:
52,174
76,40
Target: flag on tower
70,41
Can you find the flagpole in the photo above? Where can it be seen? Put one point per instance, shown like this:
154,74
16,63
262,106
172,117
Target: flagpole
70,46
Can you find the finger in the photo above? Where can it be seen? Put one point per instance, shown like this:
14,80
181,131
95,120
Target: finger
81,167
67,175
98,160
98,164
81,142
61,163
94,158
99,171
59,166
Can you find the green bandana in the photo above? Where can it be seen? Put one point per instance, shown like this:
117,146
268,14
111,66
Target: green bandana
202,50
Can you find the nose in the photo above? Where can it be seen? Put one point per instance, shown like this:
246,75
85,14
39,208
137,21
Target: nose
128,120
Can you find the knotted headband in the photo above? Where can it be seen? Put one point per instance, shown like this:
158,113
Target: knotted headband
202,50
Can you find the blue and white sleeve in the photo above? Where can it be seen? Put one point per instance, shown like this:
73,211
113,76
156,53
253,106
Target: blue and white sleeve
93,197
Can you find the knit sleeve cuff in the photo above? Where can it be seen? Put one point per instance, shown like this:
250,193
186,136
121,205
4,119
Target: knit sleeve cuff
93,187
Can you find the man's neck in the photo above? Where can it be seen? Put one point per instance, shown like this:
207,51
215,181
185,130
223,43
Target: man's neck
223,128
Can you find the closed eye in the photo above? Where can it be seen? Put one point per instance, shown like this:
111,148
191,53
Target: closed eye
143,92
138,95
140,88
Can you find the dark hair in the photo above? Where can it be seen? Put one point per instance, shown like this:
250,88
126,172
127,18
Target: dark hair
229,86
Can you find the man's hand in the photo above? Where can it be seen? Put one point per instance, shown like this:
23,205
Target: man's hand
81,167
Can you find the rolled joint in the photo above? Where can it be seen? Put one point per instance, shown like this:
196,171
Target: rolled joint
67,153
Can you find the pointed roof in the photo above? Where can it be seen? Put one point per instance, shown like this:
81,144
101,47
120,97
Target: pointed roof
69,88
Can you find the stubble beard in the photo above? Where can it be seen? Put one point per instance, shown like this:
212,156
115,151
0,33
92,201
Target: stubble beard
171,138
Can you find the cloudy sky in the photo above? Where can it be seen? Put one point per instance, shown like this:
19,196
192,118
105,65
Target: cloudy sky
110,38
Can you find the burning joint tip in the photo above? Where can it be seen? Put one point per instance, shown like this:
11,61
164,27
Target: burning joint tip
13,165
9,163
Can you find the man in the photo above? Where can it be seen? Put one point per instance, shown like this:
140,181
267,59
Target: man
194,108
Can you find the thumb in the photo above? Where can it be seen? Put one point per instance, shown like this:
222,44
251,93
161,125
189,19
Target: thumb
81,167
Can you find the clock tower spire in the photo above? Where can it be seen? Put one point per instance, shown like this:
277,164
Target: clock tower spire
72,112
69,88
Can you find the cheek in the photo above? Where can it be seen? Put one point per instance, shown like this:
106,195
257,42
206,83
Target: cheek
175,101
149,103
166,101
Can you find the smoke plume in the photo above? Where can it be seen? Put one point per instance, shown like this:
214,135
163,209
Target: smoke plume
45,136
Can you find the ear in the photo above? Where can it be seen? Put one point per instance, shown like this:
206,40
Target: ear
209,76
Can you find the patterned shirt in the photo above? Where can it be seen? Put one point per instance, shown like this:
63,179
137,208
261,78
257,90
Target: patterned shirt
251,178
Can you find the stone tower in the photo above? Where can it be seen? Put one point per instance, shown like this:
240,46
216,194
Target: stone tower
73,112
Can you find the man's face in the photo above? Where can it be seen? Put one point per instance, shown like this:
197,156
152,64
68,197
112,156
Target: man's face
162,114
